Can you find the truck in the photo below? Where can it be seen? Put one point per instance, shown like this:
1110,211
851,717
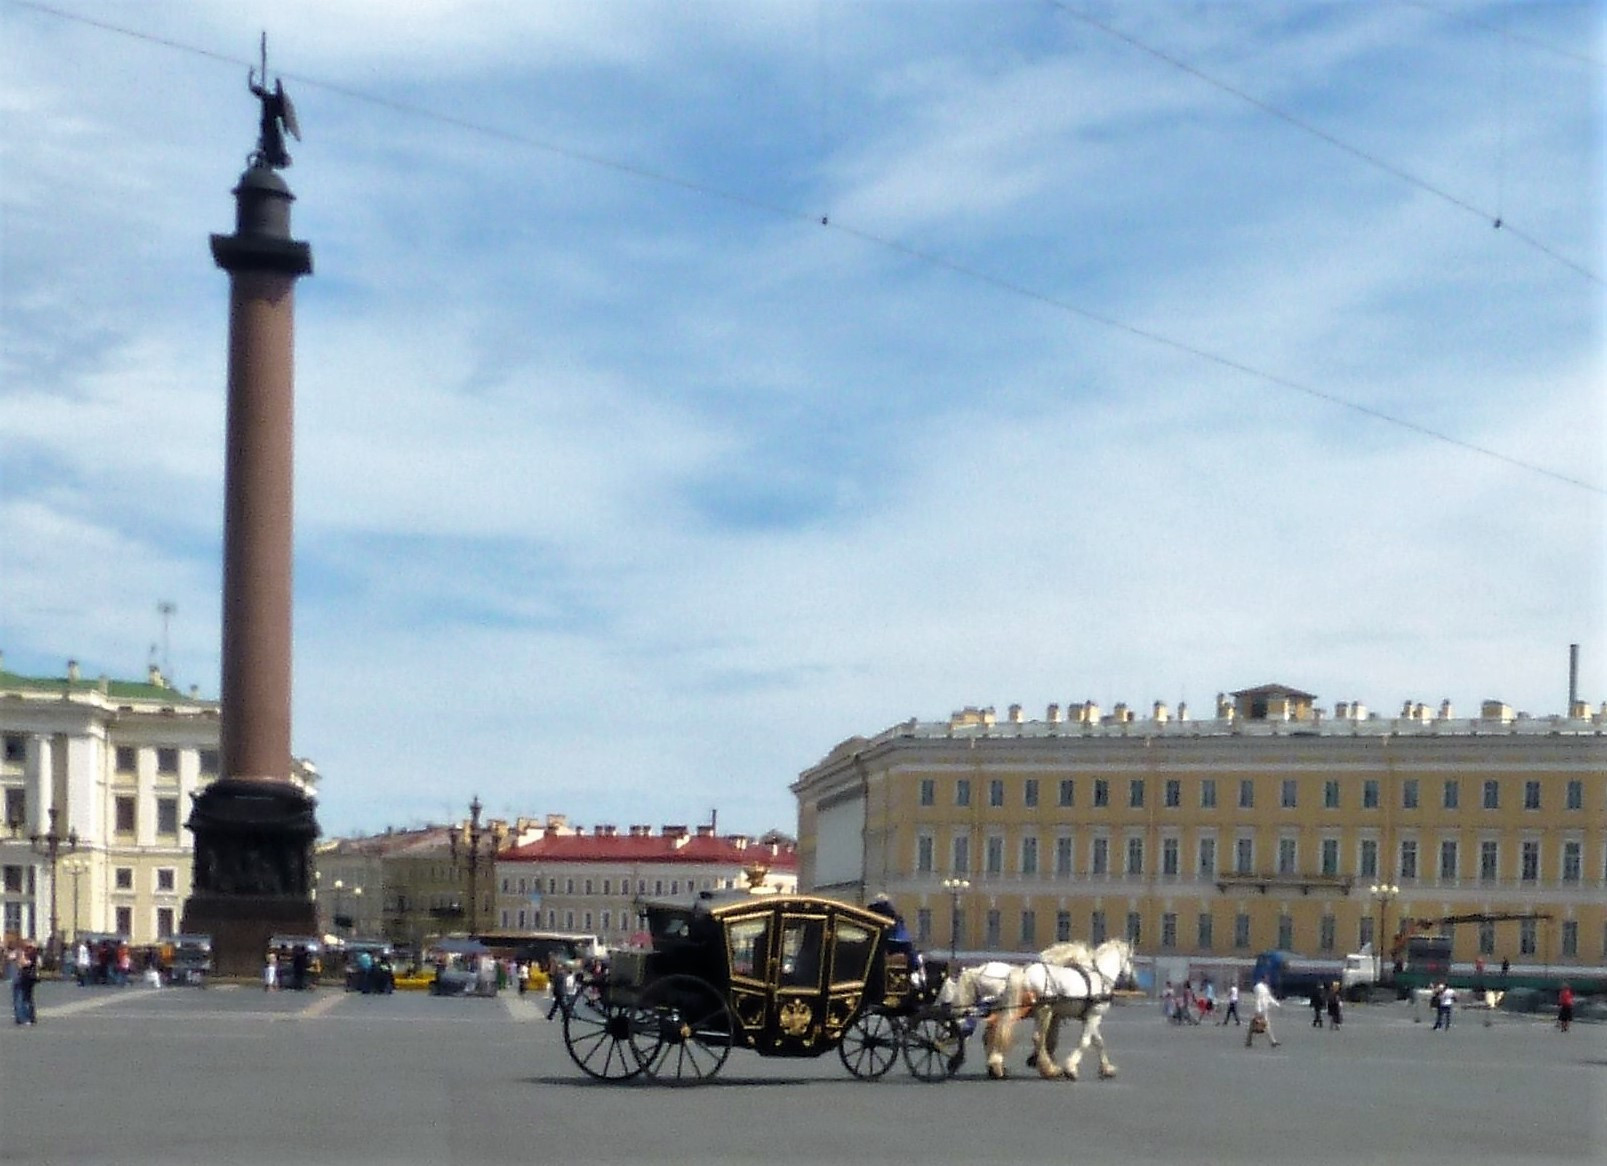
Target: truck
1288,974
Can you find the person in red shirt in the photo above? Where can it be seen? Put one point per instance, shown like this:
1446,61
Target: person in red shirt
1565,1007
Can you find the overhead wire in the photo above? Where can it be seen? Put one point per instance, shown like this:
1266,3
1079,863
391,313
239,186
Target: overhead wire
871,238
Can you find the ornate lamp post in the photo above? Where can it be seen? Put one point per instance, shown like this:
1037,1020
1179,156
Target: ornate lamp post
1382,893
474,848
77,867
50,844
357,911
955,888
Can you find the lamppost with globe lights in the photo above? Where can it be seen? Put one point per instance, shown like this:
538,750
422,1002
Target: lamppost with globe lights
50,844
77,867
955,888
1382,893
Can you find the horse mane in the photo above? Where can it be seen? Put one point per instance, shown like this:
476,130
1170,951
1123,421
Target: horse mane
1065,955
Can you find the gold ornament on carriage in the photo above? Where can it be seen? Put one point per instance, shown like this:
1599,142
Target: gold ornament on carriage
795,1017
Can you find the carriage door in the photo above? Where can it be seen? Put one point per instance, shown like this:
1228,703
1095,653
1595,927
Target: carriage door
797,1004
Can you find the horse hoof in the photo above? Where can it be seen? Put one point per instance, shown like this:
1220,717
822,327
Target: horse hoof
1106,1074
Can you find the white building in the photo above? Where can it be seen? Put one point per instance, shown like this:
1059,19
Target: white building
100,772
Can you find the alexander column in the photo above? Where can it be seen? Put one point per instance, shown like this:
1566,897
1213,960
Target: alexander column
254,827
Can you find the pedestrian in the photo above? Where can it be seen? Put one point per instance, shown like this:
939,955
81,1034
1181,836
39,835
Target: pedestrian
1169,1002
23,979
1208,999
558,979
1233,1004
81,966
1335,1007
1565,1008
1443,1006
522,971
270,972
1262,1020
1506,966
1319,1004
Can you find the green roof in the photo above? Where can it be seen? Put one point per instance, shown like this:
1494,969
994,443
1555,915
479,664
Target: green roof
112,689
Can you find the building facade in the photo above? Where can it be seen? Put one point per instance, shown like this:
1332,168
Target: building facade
96,777
590,882
1270,825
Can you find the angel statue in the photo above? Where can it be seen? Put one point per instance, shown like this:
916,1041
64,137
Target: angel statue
276,112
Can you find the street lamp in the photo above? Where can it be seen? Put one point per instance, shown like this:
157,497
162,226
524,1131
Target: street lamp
334,920
50,844
467,851
1382,893
357,911
955,888
76,867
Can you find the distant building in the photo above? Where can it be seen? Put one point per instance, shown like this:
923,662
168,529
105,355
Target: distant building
112,765
580,882
1266,825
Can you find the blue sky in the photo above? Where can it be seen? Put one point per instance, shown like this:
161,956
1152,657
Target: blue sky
684,388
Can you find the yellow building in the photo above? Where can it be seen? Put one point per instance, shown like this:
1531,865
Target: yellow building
1273,824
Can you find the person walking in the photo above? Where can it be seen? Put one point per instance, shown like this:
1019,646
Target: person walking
1442,1013
559,980
24,976
1565,1008
1319,1005
1336,1011
1232,1010
1261,1021
270,972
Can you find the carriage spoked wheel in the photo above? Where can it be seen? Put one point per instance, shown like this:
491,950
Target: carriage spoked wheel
685,1034
934,1046
870,1045
598,1037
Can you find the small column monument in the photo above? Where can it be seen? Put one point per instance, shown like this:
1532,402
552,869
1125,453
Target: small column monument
254,827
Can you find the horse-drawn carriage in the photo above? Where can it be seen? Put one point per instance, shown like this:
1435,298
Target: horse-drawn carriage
782,975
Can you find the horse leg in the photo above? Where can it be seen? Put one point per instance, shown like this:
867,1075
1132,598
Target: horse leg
1106,1068
1043,1035
996,1036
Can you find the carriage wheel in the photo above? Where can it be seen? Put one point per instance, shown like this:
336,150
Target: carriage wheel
599,1038
685,1034
934,1046
870,1045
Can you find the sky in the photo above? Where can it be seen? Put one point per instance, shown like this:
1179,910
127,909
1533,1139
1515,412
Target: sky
684,388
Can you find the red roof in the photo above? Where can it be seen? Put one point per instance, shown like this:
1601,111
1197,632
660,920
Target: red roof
662,848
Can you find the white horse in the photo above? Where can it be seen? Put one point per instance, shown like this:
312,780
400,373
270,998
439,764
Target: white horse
977,990
1052,993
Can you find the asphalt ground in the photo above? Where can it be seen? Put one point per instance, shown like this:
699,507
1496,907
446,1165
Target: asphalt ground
235,1075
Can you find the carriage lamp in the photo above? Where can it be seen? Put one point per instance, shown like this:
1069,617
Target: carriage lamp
955,888
1382,893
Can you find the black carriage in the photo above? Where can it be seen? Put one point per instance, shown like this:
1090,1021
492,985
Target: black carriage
782,975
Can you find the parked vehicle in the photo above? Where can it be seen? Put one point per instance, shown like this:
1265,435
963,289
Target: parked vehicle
462,968
311,959
379,977
187,959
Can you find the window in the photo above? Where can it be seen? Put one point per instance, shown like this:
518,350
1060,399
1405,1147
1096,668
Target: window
1369,794
165,879
1169,859
1286,932
994,855
924,854
12,880
1531,795
1169,929
1367,867
208,762
1208,793
608,889
1576,795
928,791
1486,938
1204,939
126,759
1029,928
588,886
1135,793
1100,863
16,807
1453,794
1330,795
962,854
1326,928
1290,795
1492,795
569,887
16,748
1244,856
1029,793
1570,938
923,925
1330,856
125,815
1207,858
962,791
123,878
1135,928
1408,867
1241,930
1068,789
1063,857
1448,861
1246,794
996,792
1101,792
164,921
125,920
1029,855
1409,794
1174,793
1570,862
1531,862
1135,856
991,920
167,762
167,815
1364,931
1062,926
1096,928
1286,856
1489,861
1526,937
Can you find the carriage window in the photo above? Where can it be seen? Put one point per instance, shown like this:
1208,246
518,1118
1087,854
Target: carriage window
850,959
800,952
750,947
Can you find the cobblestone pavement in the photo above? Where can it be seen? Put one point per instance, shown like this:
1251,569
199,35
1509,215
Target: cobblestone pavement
233,1074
